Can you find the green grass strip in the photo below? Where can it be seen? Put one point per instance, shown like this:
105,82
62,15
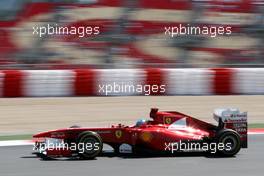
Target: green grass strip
16,137
256,125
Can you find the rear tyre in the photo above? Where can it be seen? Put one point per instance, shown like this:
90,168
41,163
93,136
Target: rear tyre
90,145
231,141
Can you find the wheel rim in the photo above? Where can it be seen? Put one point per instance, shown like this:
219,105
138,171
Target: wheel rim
232,140
91,142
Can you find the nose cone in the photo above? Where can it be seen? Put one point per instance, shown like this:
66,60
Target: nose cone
42,135
60,134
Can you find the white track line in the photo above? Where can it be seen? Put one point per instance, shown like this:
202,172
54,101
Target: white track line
255,133
15,143
29,142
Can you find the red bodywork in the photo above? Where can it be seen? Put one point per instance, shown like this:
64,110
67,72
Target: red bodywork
153,135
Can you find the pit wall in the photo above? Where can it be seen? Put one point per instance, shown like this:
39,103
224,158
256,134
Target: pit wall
87,82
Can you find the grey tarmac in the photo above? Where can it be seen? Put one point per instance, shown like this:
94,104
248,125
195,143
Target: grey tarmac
18,161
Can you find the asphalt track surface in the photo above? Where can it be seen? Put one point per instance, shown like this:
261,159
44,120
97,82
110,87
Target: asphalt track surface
18,161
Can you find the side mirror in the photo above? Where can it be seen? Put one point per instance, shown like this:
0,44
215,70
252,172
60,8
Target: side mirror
153,112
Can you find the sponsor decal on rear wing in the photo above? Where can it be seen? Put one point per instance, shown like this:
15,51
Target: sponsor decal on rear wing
233,119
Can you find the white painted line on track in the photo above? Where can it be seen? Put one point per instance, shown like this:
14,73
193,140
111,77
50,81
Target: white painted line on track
15,143
255,133
29,142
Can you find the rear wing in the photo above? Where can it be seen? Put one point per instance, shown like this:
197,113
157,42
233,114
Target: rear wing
233,119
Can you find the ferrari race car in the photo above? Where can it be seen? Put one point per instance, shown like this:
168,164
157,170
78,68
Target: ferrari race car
166,132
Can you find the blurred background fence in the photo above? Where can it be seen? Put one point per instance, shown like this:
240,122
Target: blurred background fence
131,82
131,34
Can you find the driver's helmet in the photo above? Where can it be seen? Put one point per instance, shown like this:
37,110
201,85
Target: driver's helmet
141,122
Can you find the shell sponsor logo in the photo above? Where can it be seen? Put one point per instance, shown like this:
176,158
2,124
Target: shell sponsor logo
146,136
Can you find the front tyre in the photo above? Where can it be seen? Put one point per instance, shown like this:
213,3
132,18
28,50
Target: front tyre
231,141
90,145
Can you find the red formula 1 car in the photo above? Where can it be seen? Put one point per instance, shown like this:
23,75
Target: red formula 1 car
167,132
